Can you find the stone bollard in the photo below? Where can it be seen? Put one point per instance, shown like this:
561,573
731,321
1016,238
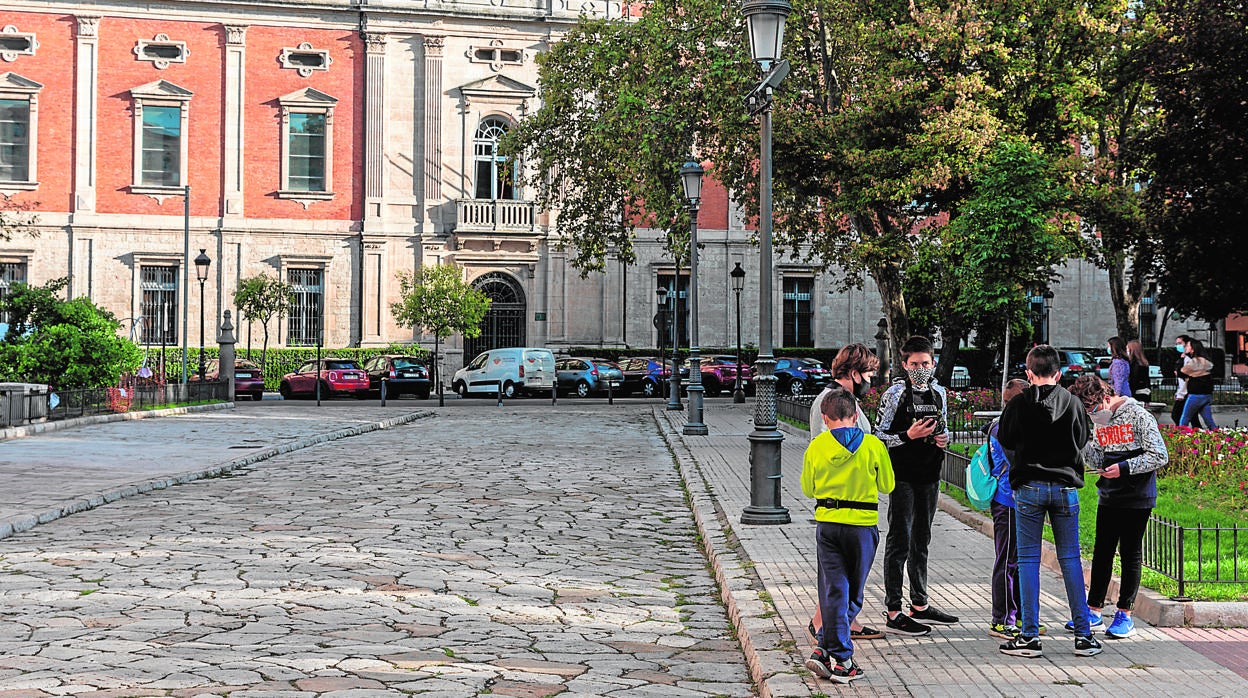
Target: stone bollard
225,354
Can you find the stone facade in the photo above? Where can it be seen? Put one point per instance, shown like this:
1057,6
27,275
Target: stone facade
404,90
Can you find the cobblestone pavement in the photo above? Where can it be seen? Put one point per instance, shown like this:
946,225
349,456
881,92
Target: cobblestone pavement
515,552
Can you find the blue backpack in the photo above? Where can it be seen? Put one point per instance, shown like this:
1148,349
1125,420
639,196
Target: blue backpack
981,484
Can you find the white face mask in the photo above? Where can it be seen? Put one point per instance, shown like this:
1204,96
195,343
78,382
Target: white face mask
1102,417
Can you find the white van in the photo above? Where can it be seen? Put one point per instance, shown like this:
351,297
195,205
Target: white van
522,370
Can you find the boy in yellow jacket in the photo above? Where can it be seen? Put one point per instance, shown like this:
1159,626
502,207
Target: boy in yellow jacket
844,470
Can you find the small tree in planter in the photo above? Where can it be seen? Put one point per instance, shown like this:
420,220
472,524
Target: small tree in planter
262,298
439,301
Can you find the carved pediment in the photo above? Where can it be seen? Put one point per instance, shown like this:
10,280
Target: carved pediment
498,86
161,89
307,97
12,82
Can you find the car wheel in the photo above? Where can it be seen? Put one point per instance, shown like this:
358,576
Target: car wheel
712,387
582,389
509,390
284,390
797,386
649,388
257,396
462,389
325,391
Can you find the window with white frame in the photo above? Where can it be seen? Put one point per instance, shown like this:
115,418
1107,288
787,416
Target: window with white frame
799,314
159,305
10,273
495,174
19,111
161,112
303,324
307,145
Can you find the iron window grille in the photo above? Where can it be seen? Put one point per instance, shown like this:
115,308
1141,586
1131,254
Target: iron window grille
159,306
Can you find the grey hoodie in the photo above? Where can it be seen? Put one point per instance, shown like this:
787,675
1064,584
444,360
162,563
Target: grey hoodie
1133,441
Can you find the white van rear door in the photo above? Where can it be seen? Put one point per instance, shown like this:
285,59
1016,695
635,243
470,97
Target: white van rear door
539,368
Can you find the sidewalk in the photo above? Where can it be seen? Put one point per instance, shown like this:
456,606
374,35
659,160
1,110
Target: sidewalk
55,474
960,660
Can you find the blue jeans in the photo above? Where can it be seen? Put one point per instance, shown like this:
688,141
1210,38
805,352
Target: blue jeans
1198,404
845,555
1034,500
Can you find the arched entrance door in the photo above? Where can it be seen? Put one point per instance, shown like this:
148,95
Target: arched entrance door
504,324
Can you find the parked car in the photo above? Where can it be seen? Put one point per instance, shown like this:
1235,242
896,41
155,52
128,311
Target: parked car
719,374
643,374
404,375
587,376
1075,363
248,378
960,379
336,376
1102,370
799,376
520,370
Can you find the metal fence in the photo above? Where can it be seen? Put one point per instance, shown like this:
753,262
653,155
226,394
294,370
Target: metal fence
22,407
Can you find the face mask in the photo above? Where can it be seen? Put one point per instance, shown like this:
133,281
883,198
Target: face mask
861,389
1102,417
919,377
1178,348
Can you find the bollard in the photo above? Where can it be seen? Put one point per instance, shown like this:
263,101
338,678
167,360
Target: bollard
383,391
500,393
554,393
610,394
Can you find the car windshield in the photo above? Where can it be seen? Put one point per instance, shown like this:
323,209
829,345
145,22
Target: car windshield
635,364
407,362
1078,357
340,365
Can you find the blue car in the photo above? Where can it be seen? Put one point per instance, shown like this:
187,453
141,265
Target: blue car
584,377
643,374
799,376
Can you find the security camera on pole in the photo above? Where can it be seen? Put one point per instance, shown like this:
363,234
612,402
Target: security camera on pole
765,22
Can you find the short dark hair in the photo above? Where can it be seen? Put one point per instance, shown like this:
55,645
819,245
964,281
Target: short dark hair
917,344
1091,390
839,404
854,357
1042,361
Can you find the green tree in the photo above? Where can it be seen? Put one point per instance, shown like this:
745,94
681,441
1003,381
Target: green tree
439,301
67,344
262,298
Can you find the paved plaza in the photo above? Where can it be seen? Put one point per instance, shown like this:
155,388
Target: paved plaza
523,550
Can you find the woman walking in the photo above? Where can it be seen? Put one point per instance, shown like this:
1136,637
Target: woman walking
1119,366
1198,371
1127,450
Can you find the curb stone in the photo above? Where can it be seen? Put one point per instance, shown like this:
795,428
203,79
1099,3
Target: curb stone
25,522
62,424
773,668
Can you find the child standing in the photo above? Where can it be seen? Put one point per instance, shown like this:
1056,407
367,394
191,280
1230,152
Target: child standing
1004,623
844,470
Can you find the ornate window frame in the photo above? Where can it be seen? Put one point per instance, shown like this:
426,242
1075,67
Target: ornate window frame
160,93
496,54
285,59
307,101
14,86
10,32
160,41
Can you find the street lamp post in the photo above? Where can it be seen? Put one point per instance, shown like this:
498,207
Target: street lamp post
765,22
662,320
691,179
673,381
201,272
738,283
186,273
1048,306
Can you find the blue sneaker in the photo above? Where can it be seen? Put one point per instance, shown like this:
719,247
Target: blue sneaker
1122,626
1095,622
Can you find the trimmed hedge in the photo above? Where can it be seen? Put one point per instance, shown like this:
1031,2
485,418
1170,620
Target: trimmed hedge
748,354
280,360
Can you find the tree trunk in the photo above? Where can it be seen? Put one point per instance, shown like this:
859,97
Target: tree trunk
951,335
887,278
1125,291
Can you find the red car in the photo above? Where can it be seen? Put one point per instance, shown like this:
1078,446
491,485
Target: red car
336,376
248,378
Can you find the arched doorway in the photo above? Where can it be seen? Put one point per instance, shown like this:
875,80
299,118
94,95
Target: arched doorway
504,324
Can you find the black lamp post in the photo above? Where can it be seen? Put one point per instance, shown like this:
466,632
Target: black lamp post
673,381
663,332
765,22
738,283
691,178
202,263
1048,306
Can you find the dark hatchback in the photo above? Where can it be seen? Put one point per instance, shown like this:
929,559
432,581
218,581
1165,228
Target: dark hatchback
643,375
798,376
404,375
248,379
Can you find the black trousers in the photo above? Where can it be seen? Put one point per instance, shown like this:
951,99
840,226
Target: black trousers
1117,530
1176,413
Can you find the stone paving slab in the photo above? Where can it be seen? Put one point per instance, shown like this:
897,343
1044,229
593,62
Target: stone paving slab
960,660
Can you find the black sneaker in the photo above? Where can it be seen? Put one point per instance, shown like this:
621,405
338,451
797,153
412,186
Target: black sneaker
866,632
846,671
814,633
1088,646
932,615
903,624
820,664
1023,647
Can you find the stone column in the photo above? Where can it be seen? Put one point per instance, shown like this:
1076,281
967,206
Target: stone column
235,88
86,88
374,130
225,354
432,108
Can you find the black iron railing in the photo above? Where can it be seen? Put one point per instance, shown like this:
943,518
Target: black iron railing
22,407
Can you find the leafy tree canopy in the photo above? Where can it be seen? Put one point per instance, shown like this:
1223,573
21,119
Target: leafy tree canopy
439,301
66,344
262,298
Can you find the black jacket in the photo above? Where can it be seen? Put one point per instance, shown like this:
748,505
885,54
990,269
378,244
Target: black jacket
1047,427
